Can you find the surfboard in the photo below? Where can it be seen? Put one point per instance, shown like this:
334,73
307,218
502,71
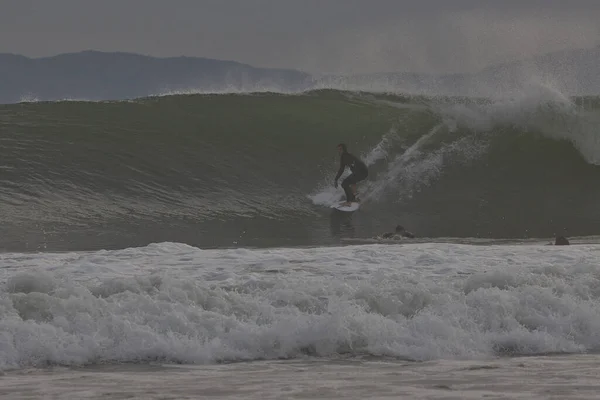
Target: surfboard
352,207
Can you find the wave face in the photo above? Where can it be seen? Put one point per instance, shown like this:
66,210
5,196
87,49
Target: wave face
257,169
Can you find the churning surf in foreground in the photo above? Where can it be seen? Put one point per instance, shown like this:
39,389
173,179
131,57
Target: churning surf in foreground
425,320
256,170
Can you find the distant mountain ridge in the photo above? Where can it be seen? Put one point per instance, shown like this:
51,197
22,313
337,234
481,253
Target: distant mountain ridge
94,75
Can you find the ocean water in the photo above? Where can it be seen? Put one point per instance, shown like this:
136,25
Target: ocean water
414,319
158,247
256,170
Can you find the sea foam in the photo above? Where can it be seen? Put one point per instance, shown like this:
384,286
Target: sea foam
175,303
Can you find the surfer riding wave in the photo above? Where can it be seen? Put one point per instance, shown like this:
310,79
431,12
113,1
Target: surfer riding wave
359,172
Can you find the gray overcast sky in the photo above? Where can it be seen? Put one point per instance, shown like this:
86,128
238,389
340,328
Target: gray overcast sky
340,36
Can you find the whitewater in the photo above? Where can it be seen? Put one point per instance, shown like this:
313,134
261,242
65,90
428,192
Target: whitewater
382,320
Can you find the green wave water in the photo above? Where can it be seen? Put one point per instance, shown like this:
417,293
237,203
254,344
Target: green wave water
227,170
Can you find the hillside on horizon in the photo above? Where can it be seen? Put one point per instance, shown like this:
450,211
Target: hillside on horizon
95,75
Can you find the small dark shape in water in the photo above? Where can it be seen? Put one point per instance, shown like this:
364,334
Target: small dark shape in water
400,231
479,367
561,241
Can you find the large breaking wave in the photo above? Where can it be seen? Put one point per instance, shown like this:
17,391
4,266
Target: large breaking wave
257,169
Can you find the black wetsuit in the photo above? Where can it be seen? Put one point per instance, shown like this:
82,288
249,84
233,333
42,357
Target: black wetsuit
359,172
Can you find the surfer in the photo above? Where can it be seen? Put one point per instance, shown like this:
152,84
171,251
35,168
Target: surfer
359,172
400,232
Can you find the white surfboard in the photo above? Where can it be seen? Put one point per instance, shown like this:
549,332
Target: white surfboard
352,207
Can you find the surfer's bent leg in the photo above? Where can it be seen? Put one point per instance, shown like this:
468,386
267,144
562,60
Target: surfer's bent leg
350,180
349,184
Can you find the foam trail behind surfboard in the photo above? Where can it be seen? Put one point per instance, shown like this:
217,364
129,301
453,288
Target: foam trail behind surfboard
410,155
